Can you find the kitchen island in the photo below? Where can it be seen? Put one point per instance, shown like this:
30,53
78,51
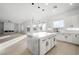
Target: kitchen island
41,42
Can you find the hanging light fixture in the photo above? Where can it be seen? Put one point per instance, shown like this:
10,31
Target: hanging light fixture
32,3
38,6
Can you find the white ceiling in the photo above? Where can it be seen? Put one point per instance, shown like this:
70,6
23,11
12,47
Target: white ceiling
20,12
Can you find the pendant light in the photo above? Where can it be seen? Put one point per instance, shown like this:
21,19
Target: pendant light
32,3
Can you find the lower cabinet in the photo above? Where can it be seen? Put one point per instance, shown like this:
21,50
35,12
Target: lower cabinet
73,38
70,37
46,45
76,39
40,46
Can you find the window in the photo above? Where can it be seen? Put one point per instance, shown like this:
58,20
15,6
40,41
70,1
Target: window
58,24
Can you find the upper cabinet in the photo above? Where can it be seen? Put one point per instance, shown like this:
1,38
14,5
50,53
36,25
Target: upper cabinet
8,26
72,21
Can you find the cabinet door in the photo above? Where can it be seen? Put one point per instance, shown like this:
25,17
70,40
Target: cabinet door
48,44
68,37
53,42
43,46
76,38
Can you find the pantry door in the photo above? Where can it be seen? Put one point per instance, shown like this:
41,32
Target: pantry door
1,27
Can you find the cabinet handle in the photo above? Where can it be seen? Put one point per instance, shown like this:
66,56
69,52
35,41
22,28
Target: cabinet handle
54,39
66,36
29,36
47,43
48,38
76,35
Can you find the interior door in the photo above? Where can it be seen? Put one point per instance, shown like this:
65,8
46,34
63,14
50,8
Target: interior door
1,27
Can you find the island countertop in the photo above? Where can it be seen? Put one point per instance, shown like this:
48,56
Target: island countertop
41,34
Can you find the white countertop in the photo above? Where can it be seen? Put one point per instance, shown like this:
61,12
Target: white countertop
41,34
70,32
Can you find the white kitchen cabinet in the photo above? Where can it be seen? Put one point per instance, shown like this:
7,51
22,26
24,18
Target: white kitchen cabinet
71,21
40,45
69,37
8,26
48,44
76,38
73,38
